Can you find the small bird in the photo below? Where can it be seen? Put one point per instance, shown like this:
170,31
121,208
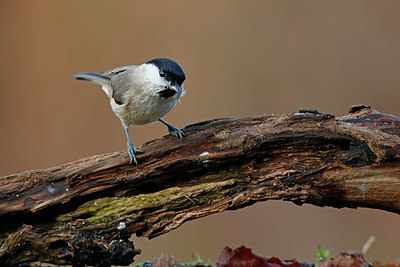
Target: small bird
141,94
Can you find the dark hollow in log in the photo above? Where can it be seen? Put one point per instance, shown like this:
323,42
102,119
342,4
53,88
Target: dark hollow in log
305,157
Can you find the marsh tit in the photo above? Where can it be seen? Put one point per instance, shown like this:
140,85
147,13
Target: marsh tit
141,94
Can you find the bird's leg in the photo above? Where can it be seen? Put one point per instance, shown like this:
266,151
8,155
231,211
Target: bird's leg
173,130
131,148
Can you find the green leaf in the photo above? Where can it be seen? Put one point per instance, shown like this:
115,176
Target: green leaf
323,254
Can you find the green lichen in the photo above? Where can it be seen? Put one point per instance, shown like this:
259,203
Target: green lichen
109,209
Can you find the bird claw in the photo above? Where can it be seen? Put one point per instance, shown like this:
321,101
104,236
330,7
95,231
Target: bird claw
175,131
131,152
137,150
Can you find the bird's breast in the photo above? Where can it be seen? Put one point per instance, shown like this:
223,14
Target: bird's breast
145,108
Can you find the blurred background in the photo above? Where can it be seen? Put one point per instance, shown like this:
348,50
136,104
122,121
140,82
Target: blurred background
241,58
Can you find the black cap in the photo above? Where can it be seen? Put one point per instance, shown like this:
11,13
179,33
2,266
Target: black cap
173,71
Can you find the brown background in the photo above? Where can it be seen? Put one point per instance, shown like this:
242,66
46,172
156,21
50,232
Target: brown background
241,58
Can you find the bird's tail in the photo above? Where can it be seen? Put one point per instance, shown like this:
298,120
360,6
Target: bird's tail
96,78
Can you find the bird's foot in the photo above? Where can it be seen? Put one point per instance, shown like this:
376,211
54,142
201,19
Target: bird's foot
131,152
175,131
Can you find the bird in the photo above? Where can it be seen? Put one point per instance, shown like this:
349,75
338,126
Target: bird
141,94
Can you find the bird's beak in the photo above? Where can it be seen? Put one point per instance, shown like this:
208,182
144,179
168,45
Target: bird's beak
177,88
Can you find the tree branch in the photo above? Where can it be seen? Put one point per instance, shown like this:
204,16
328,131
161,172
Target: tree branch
306,157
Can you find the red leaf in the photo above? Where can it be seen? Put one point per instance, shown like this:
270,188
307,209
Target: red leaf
245,257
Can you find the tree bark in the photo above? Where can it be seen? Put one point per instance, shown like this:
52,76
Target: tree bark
84,212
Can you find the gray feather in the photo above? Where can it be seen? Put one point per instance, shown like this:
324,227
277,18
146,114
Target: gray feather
93,77
119,69
96,78
123,82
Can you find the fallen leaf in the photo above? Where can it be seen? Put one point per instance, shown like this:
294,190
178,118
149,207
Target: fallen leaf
245,257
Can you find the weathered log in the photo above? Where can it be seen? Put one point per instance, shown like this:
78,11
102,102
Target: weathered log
305,157
64,247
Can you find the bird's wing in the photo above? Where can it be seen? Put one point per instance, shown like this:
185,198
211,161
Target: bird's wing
118,69
123,81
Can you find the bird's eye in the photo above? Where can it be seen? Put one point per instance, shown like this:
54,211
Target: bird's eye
162,73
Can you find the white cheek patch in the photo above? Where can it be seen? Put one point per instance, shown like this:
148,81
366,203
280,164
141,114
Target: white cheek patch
152,78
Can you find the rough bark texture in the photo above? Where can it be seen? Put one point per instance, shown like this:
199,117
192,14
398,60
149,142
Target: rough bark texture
305,157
